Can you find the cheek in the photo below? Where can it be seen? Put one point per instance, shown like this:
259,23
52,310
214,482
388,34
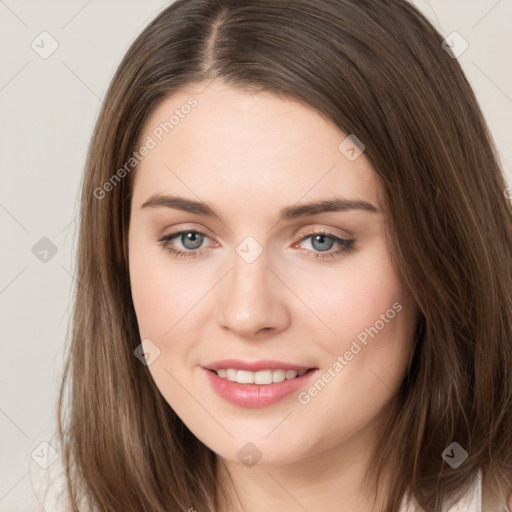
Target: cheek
167,304
371,322
352,299
163,292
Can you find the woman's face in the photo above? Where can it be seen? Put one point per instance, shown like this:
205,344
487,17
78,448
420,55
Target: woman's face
263,278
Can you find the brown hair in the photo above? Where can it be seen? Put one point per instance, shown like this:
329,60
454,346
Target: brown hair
375,69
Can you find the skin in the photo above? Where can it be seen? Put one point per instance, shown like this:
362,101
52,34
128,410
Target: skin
249,155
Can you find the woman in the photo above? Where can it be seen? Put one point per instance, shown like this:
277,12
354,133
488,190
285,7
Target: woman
224,359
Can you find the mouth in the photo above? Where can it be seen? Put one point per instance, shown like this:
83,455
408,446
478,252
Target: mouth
262,372
257,372
261,377
266,385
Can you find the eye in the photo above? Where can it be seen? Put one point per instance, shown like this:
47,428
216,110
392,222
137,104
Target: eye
321,243
191,240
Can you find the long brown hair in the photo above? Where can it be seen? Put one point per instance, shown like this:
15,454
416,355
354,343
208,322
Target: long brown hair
375,69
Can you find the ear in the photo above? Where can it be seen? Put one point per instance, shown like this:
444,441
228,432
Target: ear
509,502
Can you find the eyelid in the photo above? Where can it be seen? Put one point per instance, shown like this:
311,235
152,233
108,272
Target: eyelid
342,233
187,227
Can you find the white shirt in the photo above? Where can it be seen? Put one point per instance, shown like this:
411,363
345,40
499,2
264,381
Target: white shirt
471,502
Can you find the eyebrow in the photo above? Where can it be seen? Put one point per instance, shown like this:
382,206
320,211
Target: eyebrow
287,213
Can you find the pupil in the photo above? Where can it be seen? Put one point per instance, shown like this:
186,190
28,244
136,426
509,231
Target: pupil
192,240
321,239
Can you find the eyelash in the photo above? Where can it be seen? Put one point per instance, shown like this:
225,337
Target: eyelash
346,245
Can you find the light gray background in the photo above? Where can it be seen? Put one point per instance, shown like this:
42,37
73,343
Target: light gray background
47,110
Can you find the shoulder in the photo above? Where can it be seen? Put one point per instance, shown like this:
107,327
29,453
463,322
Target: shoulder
49,486
483,496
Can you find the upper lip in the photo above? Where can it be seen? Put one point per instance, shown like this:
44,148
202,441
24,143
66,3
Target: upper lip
254,366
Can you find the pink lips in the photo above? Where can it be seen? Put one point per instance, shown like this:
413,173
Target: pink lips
255,395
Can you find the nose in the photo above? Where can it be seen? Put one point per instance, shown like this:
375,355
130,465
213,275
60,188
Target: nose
252,300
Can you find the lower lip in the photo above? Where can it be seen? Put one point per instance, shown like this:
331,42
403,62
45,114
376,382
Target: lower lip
255,395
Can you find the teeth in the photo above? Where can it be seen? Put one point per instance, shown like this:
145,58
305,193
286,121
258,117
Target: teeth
261,377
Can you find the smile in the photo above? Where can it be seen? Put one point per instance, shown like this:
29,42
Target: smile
254,389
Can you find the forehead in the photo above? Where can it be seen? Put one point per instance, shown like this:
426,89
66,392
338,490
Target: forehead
227,144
